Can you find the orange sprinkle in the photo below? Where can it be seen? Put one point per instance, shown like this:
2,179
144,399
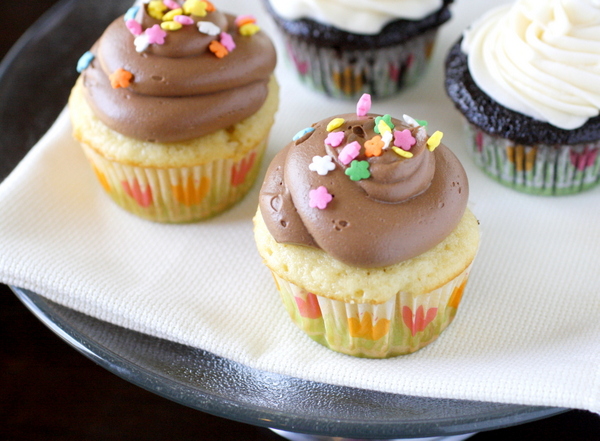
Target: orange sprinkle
120,78
374,146
218,49
209,6
245,19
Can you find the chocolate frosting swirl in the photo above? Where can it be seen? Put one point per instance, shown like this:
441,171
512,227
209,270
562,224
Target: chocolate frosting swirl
180,90
405,208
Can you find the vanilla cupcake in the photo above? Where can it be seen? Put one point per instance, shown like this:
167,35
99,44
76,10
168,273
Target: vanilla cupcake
173,108
363,223
525,76
345,49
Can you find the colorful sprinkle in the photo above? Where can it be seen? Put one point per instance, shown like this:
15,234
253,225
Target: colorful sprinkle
209,6
241,20
171,4
321,164
387,120
404,139
249,29
208,27
334,139
156,35
349,152
358,170
84,61
422,122
434,140
227,41
156,9
170,26
134,27
141,43
386,138
319,198
120,78
335,123
184,20
218,49
364,105
410,121
131,13
169,16
402,153
195,7
302,132
374,146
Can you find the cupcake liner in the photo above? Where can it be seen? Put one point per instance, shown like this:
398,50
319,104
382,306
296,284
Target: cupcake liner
347,73
536,169
402,325
179,194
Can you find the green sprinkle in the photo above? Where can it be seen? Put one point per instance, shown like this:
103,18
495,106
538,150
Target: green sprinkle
386,119
358,170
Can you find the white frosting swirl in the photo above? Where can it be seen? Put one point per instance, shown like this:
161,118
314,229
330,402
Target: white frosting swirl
540,58
359,16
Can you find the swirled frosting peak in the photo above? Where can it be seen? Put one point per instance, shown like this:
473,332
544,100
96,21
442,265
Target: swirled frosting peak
540,58
368,189
175,70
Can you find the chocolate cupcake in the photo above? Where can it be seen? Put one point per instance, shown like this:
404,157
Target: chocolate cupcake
345,50
526,82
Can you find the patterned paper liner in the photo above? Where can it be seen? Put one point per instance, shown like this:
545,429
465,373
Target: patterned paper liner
536,169
402,325
180,194
380,72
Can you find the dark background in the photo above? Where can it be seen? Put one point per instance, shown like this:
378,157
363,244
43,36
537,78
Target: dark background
50,391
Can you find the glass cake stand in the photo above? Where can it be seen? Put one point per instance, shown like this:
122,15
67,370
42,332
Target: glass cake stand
46,55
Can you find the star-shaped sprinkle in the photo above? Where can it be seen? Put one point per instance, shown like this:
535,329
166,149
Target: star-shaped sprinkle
84,61
358,170
335,123
402,153
248,29
321,164
434,140
364,105
319,198
404,139
227,41
422,122
156,35
218,49
134,27
156,9
302,132
141,43
195,7
208,27
120,78
349,152
387,120
334,139
374,146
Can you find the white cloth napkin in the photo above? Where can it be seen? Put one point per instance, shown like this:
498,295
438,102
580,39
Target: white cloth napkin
527,332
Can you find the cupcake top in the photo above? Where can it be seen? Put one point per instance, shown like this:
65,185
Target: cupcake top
539,58
370,190
175,70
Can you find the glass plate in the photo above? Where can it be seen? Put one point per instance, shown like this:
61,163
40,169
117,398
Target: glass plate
35,79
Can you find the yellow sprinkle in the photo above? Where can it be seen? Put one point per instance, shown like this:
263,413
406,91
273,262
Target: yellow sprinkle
434,140
169,16
335,123
249,29
156,9
383,127
170,26
402,153
195,7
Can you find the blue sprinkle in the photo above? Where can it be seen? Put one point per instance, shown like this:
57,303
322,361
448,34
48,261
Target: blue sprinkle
302,132
131,13
85,61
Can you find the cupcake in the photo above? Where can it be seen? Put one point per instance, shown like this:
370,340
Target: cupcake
346,49
525,76
363,222
173,108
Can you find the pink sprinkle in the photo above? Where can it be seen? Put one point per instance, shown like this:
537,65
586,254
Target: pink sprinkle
319,198
134,27
242,19
227,41
334,139
171,4
404,139
184,20
156,35
349,152
364,105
